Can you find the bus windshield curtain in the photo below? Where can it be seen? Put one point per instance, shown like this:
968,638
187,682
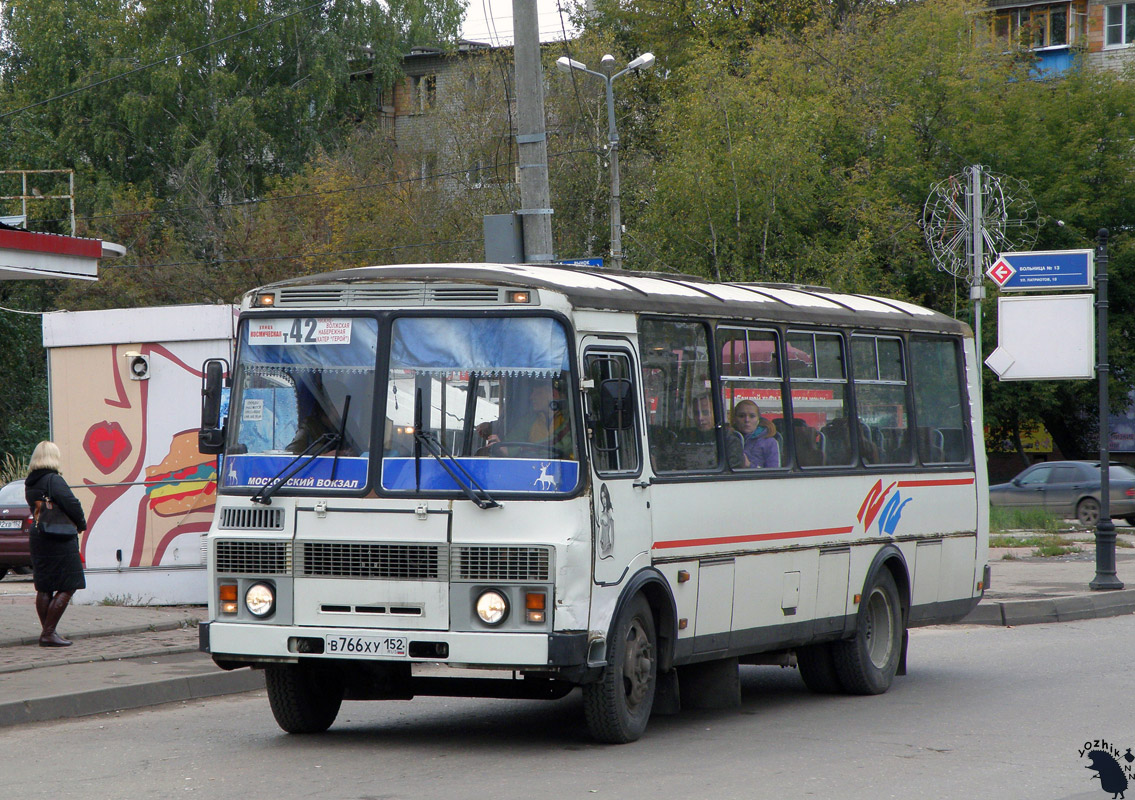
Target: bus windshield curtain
503,345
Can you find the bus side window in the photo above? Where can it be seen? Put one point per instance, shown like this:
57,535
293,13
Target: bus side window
816,369
676,374
938,405
753,395
612,450
880,399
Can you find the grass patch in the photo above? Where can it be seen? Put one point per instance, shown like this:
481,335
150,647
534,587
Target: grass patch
1044,545
1023,519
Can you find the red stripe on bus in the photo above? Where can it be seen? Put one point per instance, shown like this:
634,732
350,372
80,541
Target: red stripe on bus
757,537
939,482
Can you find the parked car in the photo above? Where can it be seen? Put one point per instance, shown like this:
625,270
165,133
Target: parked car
15,525
1069,488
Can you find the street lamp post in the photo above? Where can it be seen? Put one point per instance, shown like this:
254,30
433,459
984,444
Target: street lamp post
607,64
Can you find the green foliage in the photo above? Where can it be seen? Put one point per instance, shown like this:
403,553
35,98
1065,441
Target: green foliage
1002,518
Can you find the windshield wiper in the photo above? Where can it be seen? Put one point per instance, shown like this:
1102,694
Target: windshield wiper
318,447
473,490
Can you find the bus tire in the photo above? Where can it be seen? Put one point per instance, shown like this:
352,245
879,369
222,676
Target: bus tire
618,706
303,700
867,663
816,663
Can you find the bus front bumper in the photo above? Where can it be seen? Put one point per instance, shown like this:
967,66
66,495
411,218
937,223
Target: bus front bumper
242,643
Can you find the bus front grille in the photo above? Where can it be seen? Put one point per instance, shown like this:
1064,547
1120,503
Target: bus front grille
491,563
421,562
253,558
252,519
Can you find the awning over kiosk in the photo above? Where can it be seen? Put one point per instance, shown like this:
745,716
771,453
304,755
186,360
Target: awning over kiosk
28,255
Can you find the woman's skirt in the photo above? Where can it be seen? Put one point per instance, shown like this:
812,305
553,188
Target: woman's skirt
56,564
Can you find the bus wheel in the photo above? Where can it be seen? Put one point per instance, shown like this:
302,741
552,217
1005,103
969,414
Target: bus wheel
303,700
866,663
817,668
618,706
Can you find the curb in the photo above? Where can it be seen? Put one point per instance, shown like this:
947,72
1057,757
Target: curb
126,630
122,698
1053,609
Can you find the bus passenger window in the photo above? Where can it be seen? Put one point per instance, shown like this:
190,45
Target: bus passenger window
938,401
880,400
677,388
819,398
753,397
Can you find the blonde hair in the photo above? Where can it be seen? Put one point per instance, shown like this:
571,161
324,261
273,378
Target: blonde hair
45,456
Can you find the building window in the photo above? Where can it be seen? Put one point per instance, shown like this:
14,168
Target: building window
425,92
1033,28
1120,25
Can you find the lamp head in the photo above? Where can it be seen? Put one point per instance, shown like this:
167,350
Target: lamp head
566,64
645,61
607,63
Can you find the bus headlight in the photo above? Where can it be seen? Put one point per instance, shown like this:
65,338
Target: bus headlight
260,599
492,607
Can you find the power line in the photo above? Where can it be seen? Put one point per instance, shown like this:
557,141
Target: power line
159,62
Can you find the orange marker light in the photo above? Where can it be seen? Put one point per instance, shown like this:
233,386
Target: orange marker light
534,604
226,593
519,297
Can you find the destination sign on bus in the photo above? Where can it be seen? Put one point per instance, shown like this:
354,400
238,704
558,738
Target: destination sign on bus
309,330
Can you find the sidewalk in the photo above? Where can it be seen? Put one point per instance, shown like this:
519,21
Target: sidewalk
130,657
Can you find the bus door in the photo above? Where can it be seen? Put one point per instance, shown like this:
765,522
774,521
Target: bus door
620,496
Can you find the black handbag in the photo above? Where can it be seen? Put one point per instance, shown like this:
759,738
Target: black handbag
52,521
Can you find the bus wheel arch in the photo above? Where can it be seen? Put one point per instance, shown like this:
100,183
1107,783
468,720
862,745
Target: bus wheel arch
650,583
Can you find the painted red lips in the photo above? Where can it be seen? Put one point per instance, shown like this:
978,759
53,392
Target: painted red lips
107,446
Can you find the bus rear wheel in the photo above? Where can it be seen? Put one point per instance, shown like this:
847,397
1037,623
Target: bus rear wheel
618,707
867,663
303,699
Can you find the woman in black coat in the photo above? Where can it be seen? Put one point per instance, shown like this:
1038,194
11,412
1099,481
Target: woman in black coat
56,562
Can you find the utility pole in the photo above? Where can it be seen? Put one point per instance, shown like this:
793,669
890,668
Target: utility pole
977,284
1106,577
531,136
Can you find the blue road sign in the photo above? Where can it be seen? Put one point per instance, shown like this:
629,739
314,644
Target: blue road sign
1044,269
582,262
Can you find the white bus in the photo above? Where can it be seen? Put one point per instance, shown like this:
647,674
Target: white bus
510,481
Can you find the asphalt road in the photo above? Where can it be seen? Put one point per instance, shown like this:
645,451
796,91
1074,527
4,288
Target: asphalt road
985,711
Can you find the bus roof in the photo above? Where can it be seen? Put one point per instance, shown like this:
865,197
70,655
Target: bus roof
617,290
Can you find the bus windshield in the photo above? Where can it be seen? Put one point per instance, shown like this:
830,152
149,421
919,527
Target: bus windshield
493,393
303,398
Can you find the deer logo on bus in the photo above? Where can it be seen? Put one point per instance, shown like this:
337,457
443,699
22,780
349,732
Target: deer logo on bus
545,481
891,508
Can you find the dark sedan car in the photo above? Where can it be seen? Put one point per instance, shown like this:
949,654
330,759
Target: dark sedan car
1069,488
15,524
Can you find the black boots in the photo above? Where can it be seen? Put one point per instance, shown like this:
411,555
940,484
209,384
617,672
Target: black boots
52,612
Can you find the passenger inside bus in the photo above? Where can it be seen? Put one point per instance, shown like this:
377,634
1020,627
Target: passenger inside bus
807,444
752,442
543,424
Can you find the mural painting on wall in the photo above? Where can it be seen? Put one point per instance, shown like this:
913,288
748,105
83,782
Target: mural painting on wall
148,483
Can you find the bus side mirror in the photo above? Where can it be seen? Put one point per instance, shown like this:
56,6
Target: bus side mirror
211,436
616,404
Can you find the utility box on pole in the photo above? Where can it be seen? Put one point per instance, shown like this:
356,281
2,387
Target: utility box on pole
504,239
